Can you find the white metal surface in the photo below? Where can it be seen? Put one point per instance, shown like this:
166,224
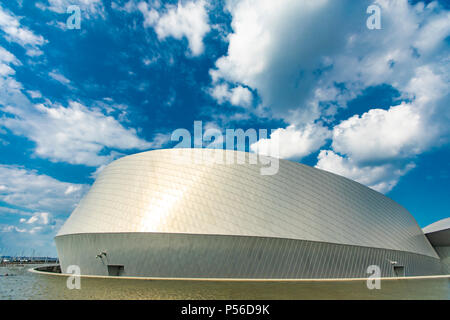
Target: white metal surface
174,191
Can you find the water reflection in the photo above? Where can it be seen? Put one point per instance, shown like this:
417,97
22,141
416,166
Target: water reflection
22,284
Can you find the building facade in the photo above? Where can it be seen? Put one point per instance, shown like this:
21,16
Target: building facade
438,233
188,213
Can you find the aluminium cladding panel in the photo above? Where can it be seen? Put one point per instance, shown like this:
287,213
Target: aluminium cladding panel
217,256
443,224
444,254
180,191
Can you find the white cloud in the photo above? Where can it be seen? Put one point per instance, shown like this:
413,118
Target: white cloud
30,239
382,134
12,228
8,83
240,96
34,94
88,7
128,7
160,139
276,46
221,93
292,142
97,171
73,134
35,230
71,189
379,146
151,16
427,88
185,20
29,190
283,51
37,218
32,220
432,34
237,96
10,25
34,52
7,59
6,70
59,77
381,178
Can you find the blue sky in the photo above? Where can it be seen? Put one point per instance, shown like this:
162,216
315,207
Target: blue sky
368,104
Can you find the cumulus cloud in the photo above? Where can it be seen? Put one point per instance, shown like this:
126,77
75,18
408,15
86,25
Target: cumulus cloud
292,143
34,94
378,177
237,96
307,77
432,33
379,146
381,134
290,70
151,15
282,66
265,54
12,228
298,71
185,20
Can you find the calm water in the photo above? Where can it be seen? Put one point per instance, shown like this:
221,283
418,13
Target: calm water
27,285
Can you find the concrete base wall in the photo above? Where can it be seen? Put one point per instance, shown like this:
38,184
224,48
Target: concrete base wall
218,256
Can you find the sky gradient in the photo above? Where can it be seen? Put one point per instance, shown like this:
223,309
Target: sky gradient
369,104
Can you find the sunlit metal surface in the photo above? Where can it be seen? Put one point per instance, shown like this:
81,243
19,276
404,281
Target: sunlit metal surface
438,233
170,255
186,213
166,191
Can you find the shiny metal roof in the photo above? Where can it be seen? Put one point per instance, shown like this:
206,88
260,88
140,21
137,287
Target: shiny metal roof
437,226
438,233
182,191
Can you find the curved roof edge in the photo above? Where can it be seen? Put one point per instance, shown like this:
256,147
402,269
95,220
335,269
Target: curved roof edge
268,157
403,229
440,225
438,233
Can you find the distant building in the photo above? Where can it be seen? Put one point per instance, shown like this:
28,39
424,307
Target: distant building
170,213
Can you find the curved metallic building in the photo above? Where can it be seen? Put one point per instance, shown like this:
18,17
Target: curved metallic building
188,213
